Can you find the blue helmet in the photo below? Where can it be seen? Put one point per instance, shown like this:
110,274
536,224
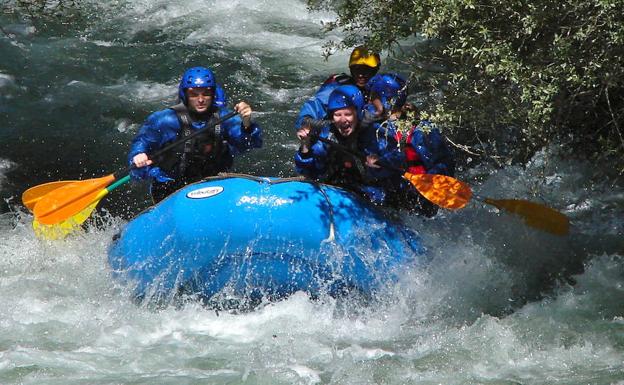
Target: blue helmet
390,88
346,96
196,77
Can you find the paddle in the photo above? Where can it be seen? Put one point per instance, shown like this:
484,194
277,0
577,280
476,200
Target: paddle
450,193
34,194
77,197
69,225
72,199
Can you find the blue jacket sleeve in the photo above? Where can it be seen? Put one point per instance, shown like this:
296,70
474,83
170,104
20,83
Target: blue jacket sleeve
313,109
160,127
316,106
239,139
314,163
381,141
433,151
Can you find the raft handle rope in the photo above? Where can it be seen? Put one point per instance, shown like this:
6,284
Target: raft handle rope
332,228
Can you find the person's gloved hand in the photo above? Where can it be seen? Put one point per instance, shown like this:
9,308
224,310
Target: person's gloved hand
303,134
245,111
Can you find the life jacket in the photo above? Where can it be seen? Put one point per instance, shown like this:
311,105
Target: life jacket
426,151
344,169
203,155
414,163
341,79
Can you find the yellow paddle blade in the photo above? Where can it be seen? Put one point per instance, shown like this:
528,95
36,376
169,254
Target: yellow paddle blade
64,228
34,194
442,190
67,201
534,214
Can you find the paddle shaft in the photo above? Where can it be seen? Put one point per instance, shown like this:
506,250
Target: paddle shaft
118,183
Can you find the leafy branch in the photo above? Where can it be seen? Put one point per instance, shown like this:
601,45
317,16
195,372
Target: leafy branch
520,74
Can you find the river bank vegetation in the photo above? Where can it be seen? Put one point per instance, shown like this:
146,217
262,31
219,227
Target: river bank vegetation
505,77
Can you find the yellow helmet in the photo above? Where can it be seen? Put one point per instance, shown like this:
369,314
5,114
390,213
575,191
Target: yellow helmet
362,56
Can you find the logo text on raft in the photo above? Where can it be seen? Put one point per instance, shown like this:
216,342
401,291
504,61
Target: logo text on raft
205,192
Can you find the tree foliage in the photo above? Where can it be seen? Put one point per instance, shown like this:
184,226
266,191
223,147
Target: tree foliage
528,71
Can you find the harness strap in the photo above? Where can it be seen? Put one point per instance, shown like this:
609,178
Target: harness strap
186,122
337,169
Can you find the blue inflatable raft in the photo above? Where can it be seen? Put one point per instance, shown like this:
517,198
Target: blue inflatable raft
252,238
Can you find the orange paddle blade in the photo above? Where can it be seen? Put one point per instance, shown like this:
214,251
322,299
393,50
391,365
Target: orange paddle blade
67,201
34,194
442,190
534,214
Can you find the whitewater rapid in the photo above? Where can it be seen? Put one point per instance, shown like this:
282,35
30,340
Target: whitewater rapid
499,303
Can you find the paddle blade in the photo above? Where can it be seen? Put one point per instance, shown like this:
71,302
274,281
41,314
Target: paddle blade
63,203
442,190
64,228
34,194
534,214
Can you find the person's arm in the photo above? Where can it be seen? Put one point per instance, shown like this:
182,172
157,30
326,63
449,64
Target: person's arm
311,158
433,152
158,128
315,108
240,131
383,154
385,163
443,161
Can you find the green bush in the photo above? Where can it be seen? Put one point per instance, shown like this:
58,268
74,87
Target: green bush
531,72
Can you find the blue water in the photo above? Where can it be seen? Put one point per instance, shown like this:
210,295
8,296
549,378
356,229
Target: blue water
500,303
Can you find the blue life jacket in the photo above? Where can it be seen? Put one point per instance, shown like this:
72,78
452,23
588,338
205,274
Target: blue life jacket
435,155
